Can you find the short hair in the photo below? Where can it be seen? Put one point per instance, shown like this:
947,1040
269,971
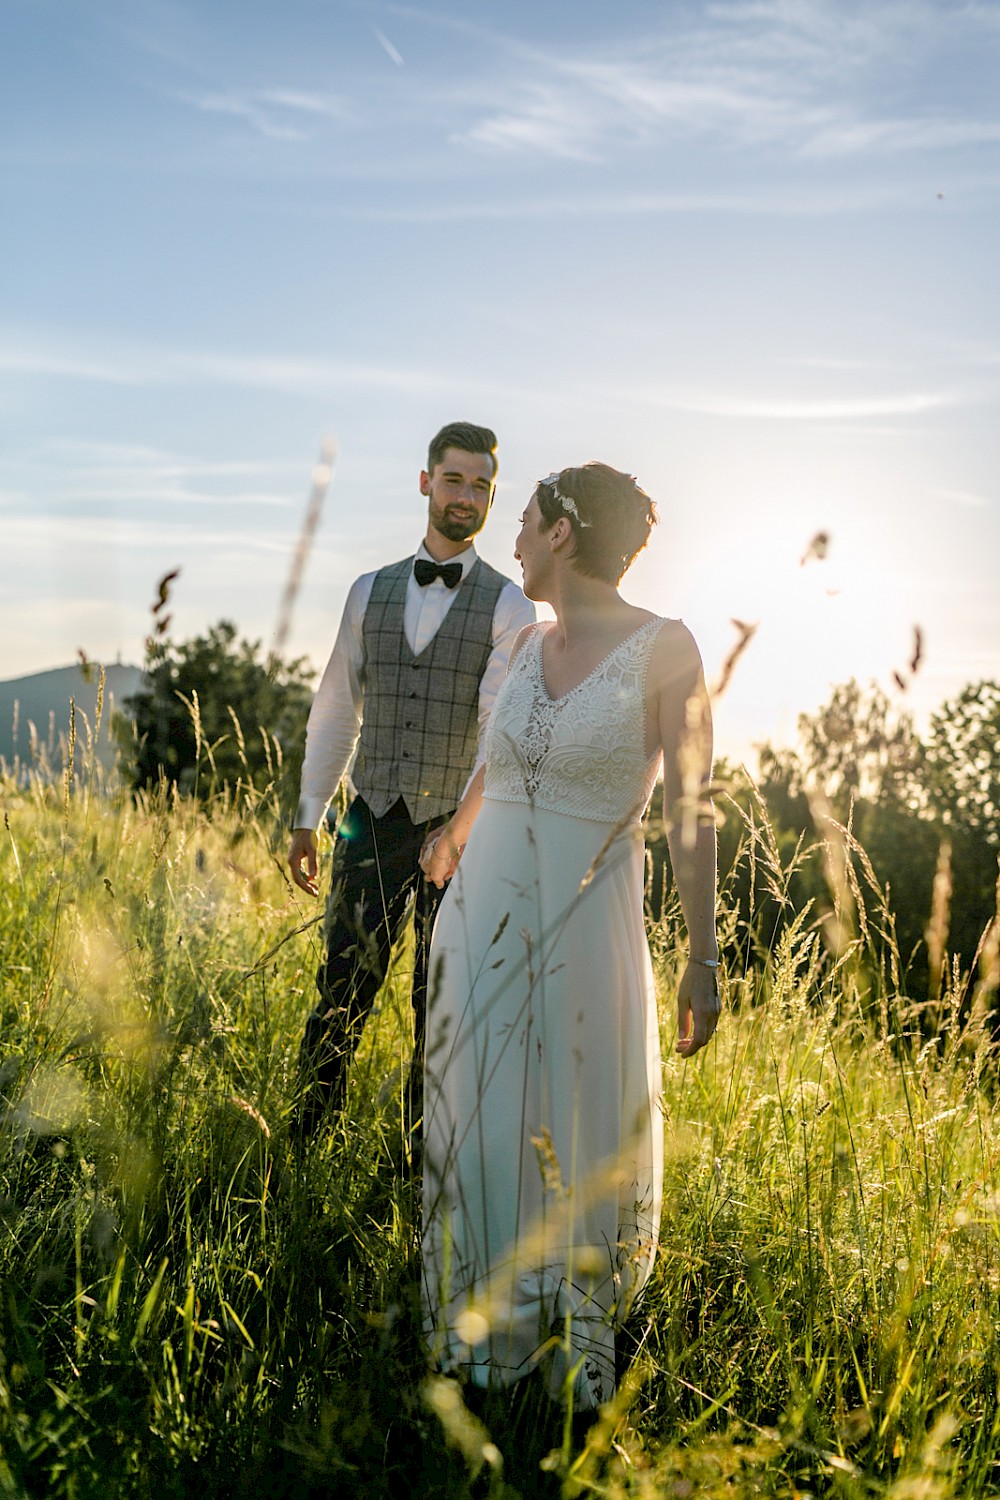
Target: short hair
610,514
464,435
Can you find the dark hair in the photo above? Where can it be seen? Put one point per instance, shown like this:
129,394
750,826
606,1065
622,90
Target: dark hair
464,435
611,517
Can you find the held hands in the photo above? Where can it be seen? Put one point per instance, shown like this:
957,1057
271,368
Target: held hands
440,856
698,1008
303,849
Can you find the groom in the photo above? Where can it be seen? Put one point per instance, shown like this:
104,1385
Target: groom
422,649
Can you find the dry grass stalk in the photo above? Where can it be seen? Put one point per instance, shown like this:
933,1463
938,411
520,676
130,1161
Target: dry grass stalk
936,932
321,477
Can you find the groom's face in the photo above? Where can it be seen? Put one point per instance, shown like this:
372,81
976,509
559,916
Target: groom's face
459,490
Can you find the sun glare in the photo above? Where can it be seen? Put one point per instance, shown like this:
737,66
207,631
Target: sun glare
822,609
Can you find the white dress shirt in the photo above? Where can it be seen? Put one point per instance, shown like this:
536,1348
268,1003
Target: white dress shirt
337,710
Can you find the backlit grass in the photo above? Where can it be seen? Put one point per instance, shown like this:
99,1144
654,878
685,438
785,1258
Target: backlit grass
191,1307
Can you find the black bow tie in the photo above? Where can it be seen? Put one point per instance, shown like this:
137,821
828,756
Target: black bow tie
425,572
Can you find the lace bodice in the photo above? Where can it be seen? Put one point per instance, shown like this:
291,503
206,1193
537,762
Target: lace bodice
582,754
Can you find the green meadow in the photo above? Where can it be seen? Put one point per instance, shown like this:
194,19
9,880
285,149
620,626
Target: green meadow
188,1306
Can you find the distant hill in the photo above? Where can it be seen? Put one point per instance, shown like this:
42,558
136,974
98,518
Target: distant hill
43,700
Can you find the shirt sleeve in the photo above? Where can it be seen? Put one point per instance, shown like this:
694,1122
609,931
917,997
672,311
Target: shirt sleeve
513,612
335,717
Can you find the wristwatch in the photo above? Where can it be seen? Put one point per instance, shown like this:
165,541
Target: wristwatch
706,963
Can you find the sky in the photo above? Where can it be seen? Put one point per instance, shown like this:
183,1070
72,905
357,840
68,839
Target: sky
746,251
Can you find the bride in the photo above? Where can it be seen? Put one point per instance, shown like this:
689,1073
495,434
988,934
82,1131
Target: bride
543,1149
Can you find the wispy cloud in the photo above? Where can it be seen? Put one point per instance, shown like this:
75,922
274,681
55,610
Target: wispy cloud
590,110
784,409
39,360
775,199
809,77
116,481
932,133
838,365
97,534
305,375
387,47
136,365
152,492
277,114
107,458
543,125
801,81
964,497
301,373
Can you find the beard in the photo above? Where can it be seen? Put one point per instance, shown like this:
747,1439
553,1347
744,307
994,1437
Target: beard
455,527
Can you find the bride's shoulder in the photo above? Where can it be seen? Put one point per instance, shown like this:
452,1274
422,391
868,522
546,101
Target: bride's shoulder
672,633
675,654
524,635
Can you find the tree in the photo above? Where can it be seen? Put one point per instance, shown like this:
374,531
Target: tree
904,799
211,713
962,761
859,746
781,779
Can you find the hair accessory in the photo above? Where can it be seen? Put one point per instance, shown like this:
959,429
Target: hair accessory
567,502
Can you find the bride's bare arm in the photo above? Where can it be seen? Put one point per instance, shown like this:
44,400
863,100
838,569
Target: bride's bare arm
684,719
443,847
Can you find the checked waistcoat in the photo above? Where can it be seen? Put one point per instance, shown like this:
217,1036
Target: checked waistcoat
420,729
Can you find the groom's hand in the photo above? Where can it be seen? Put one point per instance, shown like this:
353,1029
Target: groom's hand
303,851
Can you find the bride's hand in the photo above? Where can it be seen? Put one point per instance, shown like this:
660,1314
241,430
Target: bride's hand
698,1008
440,856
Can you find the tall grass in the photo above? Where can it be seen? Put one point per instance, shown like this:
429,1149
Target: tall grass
190,1306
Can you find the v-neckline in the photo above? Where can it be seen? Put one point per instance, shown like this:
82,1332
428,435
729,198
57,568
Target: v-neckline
594,670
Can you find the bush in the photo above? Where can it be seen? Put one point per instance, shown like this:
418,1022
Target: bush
212,715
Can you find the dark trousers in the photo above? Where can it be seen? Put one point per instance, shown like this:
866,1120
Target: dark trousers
375,876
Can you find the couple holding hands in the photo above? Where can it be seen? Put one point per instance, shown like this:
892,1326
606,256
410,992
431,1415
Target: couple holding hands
504,765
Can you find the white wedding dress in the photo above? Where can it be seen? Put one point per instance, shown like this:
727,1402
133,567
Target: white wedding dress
543,1132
